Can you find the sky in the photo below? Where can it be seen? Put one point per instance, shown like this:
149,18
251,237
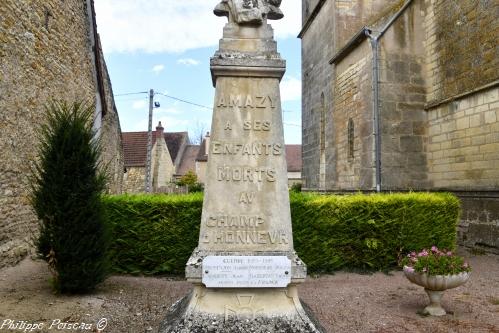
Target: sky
166,45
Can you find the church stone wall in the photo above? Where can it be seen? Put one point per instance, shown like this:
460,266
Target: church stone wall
464,143
316,81
402,104
335,23
439,101
352,93
352,15
45,53
461,46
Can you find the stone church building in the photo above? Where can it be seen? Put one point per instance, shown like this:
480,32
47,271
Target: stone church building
403,95
48,50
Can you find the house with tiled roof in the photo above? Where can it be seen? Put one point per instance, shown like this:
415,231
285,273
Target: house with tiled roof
166,158
172,157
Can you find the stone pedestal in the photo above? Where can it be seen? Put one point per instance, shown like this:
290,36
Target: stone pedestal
246,212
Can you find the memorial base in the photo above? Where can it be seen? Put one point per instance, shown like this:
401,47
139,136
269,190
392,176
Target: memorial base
276,310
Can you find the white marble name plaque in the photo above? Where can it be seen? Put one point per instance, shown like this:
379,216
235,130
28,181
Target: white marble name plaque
246,271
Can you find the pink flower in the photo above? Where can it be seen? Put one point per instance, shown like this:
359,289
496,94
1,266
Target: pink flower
409,269
423,253
434,249
449,253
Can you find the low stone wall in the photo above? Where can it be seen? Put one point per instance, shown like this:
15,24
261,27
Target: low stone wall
479,227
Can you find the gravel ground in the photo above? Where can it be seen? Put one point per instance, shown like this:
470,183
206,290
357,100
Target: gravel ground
343,302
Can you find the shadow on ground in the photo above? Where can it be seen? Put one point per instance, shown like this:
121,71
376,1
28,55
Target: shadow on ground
344,302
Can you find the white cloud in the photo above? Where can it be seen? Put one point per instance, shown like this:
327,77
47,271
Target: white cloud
173,26
290,25
141,104
158,69
290,89
188,62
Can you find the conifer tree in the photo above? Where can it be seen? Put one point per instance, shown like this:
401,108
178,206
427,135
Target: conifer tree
66,195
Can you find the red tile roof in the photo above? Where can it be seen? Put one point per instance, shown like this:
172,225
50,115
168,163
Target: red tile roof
135,146
135,149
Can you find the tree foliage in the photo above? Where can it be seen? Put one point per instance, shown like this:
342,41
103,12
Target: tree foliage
190,179
66,195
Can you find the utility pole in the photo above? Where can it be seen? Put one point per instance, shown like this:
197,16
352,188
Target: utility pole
148,184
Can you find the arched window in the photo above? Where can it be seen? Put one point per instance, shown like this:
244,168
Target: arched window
322,138
323,123
351,136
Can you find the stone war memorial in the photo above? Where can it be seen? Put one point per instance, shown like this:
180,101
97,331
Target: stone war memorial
245,271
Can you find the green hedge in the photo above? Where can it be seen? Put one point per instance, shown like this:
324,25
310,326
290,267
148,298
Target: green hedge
157,233
370,232
153,233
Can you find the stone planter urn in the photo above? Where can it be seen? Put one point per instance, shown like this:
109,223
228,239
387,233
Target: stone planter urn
435,285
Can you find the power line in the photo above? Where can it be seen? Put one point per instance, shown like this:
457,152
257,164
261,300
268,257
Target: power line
184,101
128,99
191,103
133,93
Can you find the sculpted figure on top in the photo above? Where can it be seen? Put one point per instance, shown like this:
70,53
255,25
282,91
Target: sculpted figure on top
249,12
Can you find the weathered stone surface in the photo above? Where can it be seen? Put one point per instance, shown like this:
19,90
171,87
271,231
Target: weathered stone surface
252,12
246,210
45,53
479,226
179,320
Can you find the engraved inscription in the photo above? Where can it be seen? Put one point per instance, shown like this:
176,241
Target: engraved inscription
245,308
247,197
246,271
246,101
256,125
246,174
235,221
246,237
247,149
228,126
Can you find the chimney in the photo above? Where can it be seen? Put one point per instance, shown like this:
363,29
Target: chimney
207,143
159,131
